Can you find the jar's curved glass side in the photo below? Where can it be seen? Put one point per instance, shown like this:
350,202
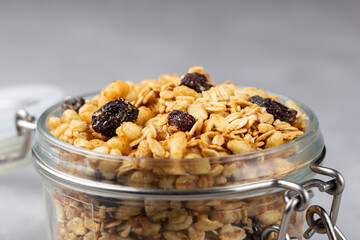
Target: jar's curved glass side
283,161
91,217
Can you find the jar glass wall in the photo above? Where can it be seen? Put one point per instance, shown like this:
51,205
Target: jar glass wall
76,215
105,211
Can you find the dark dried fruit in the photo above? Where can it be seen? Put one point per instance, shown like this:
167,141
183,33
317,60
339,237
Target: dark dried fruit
74,104
196,81
275,108
108,202
98,176
181,120
257,231
110,116
104,201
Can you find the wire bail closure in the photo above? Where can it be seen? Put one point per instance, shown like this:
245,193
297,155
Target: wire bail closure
326,223
25,125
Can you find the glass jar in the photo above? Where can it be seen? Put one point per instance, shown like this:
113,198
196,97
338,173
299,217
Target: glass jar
91,196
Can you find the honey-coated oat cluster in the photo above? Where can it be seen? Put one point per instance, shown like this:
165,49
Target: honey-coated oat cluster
177,131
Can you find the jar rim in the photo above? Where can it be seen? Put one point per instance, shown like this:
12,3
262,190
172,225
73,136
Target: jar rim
246,190
311,127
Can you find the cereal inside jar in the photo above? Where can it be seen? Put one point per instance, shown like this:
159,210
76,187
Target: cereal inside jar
175,134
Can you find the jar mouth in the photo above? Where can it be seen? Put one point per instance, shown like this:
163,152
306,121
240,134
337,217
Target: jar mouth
67,165
312,126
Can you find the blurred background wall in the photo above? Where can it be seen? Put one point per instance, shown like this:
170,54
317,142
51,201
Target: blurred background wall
309,50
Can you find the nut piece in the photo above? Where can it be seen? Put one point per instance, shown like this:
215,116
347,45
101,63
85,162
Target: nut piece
177,145
178,220
195,234
270,217
204,224
220,123
274,140
127,211
198,166
86,112
174,236
156,148
229,232
197,111
129,130
144,115
117,89
240,146
70,115
108,168
76,225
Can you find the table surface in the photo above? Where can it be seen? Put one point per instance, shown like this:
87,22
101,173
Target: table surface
309,50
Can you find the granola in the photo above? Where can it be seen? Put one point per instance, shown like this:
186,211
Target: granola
174,121
85,217
184,132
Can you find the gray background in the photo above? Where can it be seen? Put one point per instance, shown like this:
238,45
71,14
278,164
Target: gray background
309,50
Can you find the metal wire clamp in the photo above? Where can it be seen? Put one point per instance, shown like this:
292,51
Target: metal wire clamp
25,124
326,223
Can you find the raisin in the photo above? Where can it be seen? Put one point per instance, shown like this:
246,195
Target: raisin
110,116
196,81
108,202
98,176
74,104
181,120
257,231
275,108
105,201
